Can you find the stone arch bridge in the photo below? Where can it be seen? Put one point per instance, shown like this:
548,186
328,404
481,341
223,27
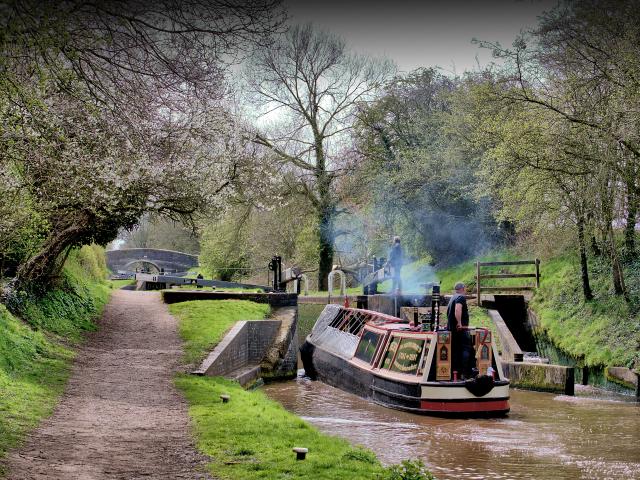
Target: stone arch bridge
168,260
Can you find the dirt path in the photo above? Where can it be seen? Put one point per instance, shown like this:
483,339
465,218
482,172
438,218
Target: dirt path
121,417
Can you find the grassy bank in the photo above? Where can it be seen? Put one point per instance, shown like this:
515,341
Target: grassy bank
203,323
604,331
251,437
115,284
308,313
36,344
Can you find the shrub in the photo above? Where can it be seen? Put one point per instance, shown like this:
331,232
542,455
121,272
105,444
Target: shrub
408,470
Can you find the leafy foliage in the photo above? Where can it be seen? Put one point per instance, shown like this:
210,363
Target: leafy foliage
565,133
109,111
417,175
203,323
163,233
240,244
409,470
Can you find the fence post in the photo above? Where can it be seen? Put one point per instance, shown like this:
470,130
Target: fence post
343,283
304,278
478,282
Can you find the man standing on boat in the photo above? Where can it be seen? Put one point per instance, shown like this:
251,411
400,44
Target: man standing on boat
395,261
463,359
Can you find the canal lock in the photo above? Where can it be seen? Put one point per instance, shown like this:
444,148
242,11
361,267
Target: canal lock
537,347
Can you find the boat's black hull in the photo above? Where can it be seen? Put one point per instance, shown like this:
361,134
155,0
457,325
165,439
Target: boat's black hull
340,373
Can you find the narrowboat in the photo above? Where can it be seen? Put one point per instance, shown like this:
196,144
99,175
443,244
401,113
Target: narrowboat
404,363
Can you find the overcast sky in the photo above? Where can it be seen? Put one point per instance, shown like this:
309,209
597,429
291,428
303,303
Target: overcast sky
422,33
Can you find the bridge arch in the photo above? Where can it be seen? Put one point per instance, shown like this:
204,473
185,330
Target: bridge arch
133,262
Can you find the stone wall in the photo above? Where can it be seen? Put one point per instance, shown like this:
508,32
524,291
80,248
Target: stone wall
267,347
540,377
280,360
244,345
625,377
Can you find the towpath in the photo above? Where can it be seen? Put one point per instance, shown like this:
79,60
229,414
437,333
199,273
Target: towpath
121,416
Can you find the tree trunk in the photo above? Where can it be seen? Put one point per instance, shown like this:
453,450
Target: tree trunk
39,269
326,216
595,248
584,268
325,247
617,273
630,227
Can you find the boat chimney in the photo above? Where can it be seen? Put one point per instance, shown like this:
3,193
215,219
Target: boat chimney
435,307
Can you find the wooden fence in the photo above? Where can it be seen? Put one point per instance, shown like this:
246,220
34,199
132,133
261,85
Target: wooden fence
493,288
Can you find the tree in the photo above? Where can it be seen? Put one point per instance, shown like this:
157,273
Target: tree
240,244
263,215
417,174
580,65
91,181
163,233
113,109
224,247
314,85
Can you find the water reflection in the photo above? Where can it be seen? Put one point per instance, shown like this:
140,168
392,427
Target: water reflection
545,436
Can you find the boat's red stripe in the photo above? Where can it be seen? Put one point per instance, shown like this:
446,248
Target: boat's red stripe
471,406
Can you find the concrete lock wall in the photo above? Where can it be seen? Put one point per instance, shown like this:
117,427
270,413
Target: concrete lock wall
540,377
257,348
509,346
245,344
280,359
252,348
625,377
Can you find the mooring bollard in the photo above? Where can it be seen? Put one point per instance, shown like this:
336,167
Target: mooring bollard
225,398
301,452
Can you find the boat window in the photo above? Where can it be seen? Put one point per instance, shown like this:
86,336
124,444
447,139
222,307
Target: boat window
367,346
391,351
408,356
349,321
338,320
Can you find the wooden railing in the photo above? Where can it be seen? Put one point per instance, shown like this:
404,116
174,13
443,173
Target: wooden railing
493,288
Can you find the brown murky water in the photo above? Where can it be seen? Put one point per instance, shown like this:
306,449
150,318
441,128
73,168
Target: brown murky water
546,436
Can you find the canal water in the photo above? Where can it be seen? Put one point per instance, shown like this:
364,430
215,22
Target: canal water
594,435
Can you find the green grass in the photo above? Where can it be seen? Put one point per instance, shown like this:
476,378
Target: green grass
251,437
479,317
33,372
466,272
116,284
308,313
36,348
602,332
203,323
